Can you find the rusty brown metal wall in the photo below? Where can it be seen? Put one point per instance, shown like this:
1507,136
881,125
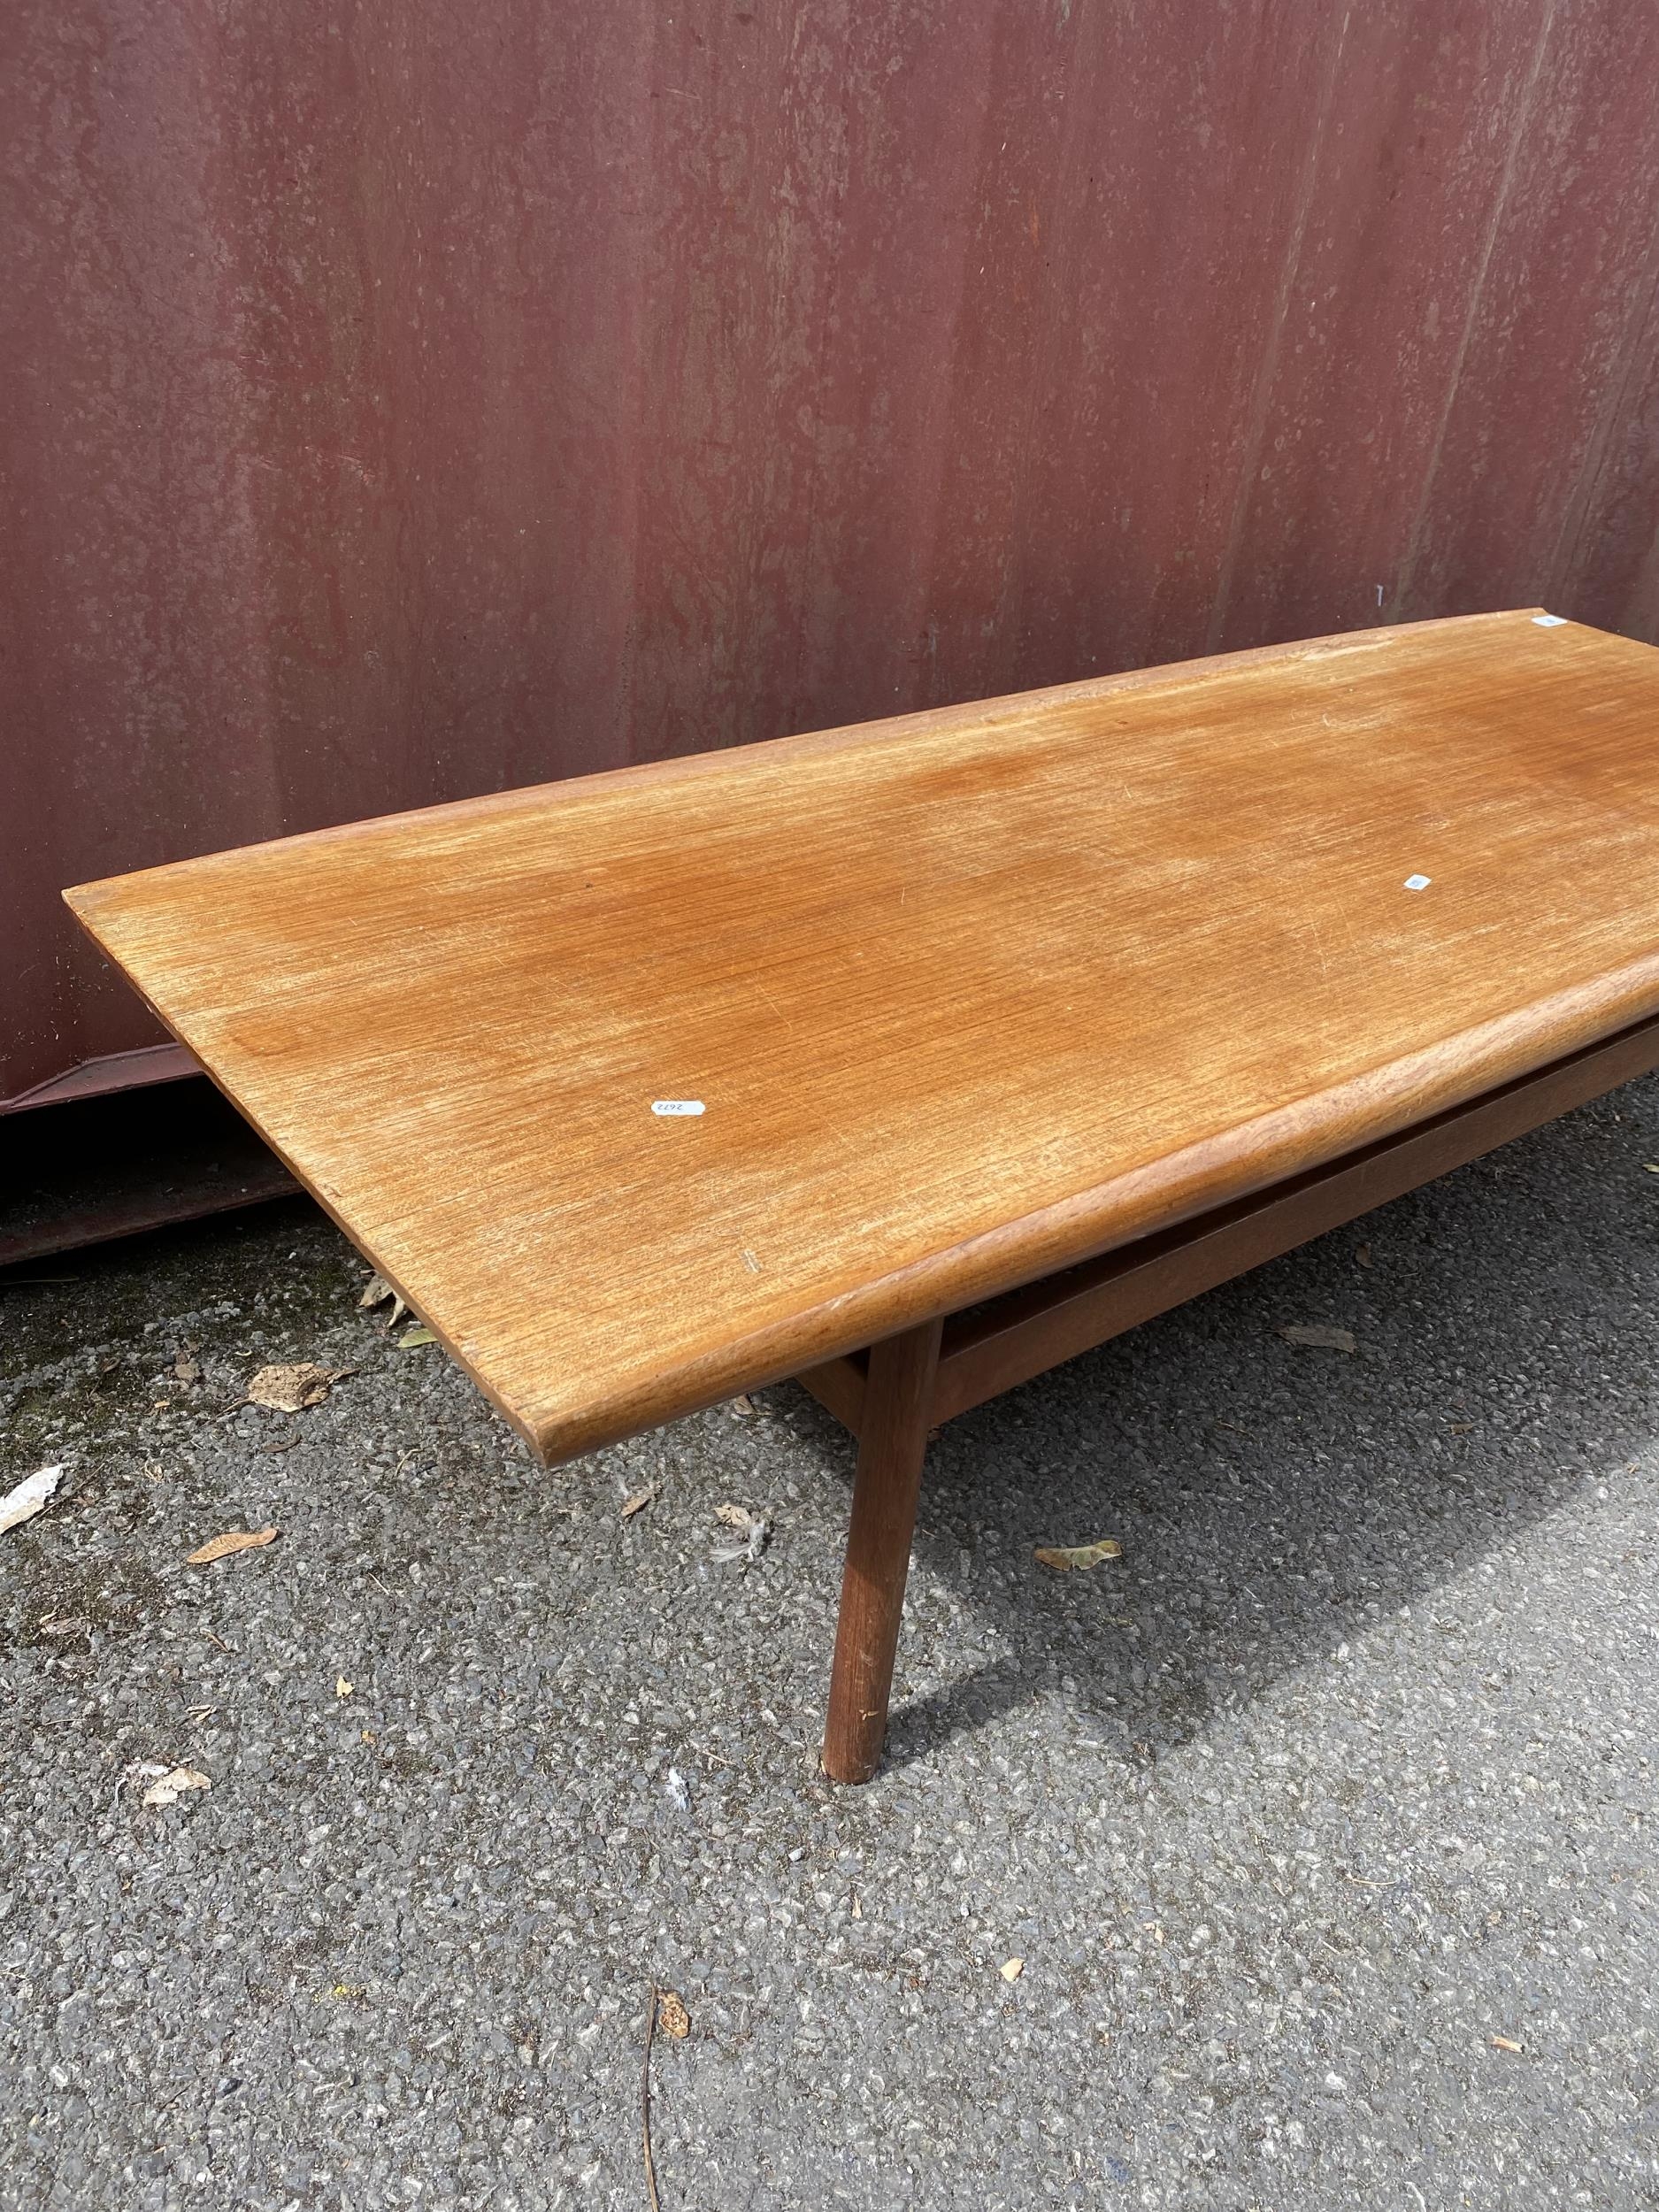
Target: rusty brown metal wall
403,402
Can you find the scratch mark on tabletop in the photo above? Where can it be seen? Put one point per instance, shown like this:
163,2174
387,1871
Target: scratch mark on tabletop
776,1008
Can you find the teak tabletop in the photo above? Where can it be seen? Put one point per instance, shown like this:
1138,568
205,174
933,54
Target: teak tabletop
946,1003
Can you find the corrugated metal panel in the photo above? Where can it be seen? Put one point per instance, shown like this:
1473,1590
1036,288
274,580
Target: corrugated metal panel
405,403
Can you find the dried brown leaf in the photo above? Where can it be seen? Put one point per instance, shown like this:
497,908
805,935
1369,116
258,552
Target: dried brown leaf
1064,1557
636,1502
187,1369
378,1291
1506,2043
1315,1333
174,1784
234,1539
734,1517
672,2015
419,1335
292,1386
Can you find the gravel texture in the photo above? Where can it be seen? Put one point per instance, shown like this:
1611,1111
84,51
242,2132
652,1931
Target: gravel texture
1344,1770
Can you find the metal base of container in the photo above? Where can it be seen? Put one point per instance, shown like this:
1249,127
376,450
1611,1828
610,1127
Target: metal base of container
113,1164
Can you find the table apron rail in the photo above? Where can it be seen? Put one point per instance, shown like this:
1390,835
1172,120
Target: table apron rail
991,1348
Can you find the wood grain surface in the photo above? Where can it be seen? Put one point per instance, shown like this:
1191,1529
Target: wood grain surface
892,1443
966,997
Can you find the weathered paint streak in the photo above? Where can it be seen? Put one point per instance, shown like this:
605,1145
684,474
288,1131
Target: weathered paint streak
403,404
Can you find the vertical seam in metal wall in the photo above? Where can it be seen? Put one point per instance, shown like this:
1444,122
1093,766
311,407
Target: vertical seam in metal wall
1011,599
624,723
1523,116
798,711
928,687
1262,393
1578,508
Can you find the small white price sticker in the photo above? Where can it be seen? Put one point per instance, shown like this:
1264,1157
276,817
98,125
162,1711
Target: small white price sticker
666,1106
1418,883
1549,621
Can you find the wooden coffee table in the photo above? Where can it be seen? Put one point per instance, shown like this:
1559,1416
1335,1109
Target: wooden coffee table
915,1057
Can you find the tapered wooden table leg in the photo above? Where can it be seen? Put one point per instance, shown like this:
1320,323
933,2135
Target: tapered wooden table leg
892,1442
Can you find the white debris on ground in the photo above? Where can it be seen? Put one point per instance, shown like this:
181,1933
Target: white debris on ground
27,1500
753,1528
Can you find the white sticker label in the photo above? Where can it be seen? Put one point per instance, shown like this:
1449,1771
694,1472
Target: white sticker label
1549,621
1418,883
676,1105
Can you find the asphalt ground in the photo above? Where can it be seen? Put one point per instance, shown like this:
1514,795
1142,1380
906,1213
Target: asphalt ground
1322,1821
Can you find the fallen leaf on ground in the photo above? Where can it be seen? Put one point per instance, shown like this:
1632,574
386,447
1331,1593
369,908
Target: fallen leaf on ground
1064,1557
1362,1253
734,1516
1506,2043
343,1688
672,2015
293,1388
636,1502
234,1540
745,1407
186,1369
1652,1166
1315,1333
1012,1968
24,1502
376,1293
419,1335
174,1784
